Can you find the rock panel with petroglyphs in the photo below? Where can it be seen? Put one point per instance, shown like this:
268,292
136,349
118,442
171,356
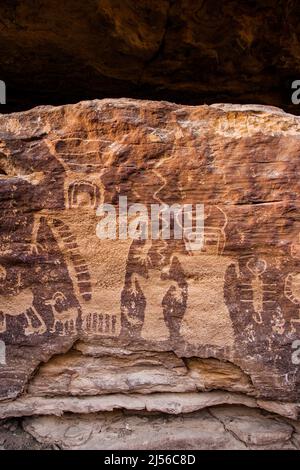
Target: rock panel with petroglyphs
149,315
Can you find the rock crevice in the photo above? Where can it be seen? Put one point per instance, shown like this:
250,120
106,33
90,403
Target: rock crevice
105,327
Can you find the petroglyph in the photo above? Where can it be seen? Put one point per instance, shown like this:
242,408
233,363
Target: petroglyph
77,264
236,298
257,289
292,283
99,324
64,318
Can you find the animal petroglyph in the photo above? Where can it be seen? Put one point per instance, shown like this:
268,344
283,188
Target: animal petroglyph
253,292
79,190
256,289
65,319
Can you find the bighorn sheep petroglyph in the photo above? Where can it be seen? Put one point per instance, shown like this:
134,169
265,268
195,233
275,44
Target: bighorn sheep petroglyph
66,318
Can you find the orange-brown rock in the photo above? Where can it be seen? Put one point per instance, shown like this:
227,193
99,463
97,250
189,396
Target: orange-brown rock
188,51
142,317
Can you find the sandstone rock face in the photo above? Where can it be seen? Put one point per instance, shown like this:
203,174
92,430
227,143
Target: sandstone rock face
91,325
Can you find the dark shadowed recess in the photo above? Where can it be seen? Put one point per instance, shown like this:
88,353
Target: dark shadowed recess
185,51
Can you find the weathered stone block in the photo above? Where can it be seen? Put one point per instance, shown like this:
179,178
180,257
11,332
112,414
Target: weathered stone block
236,300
